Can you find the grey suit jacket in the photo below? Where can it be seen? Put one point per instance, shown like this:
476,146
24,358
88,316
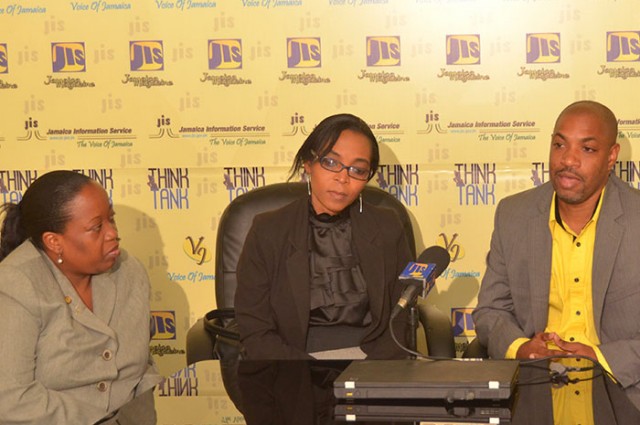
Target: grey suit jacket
272,299
62,363
514,297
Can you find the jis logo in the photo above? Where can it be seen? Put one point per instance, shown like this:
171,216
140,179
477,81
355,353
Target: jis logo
304,52
623,46
239,180
225,54
543,48
68,57
170,188
163,325
146,55
462,322
4,59
383,51
13,183
402,181
476,183
463,49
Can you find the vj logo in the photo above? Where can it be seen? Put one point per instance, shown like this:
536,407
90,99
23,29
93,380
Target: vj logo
455,250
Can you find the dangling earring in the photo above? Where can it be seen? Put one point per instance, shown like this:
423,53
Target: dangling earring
308,185
360,202
59,260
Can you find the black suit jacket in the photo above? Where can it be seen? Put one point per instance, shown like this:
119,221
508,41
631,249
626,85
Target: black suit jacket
272,298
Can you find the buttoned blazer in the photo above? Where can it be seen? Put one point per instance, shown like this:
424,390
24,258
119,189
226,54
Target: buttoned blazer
272,298
514,296
62,363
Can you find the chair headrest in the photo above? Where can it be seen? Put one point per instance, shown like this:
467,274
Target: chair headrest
237,218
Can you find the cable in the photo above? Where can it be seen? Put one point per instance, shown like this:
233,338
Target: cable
415,353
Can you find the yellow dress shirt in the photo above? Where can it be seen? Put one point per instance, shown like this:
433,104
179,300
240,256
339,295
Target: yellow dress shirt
571,314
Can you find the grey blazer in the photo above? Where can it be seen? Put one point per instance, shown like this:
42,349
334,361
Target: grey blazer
514,297
62,363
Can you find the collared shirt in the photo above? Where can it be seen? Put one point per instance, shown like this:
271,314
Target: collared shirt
571,313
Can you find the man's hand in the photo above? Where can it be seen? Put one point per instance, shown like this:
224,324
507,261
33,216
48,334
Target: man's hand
574,348
536,347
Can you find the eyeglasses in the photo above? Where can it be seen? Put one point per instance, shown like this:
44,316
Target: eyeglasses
336,166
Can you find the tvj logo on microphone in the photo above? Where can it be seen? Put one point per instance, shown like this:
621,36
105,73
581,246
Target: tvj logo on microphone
400,180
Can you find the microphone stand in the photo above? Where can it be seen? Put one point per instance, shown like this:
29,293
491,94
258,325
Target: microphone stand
413,328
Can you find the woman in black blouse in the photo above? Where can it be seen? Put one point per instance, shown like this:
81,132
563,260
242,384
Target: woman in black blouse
318,277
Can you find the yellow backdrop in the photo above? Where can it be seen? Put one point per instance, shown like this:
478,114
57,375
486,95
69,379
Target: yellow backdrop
179,106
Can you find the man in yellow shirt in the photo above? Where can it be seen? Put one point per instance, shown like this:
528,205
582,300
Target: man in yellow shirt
563,271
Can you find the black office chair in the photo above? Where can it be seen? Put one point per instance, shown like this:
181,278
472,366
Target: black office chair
219,325
475,350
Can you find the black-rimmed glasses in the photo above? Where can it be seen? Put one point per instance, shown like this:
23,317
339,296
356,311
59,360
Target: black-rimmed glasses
336,166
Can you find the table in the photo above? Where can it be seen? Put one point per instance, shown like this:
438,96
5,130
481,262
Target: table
301,393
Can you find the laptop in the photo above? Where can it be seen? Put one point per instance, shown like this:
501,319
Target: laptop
448,380
476,411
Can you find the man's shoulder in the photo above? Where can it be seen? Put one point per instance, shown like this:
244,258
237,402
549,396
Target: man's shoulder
625,190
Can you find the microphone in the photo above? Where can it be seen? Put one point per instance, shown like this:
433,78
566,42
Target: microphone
421,275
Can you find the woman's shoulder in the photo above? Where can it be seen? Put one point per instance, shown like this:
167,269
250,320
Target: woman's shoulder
26,259
383,216
283,214
24,273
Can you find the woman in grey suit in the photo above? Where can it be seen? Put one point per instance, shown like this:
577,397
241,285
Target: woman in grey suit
75,340
319,277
